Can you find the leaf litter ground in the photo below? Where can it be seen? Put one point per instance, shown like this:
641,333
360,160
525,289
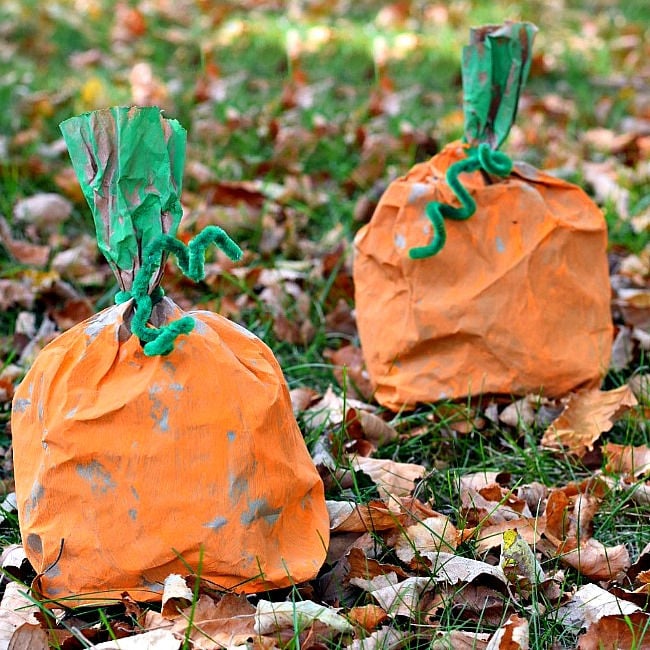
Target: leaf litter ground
491,524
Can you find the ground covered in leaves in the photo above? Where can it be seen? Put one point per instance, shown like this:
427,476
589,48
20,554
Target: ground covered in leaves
491,524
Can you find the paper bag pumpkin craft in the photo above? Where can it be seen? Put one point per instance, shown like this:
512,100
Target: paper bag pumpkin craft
149,441
478,276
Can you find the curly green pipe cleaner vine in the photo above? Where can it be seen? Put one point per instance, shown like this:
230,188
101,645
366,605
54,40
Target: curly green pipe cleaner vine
482,157
160,341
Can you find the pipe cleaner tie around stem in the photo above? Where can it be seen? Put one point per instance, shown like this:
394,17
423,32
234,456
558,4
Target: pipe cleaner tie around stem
482,157
160,341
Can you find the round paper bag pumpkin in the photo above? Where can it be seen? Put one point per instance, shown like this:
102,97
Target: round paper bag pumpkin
134,462
475,276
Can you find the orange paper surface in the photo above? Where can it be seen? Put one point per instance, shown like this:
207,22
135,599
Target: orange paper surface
517,301
129,468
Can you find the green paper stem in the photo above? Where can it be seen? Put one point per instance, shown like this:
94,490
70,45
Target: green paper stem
495,67
191,260
492,162
129,161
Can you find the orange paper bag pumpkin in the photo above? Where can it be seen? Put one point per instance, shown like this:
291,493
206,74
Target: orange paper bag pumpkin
478,276
149,441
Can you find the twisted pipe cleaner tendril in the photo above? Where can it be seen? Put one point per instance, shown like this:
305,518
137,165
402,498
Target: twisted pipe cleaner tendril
191,260
493,162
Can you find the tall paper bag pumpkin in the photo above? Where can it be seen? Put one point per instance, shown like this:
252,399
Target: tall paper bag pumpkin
475,276
148,441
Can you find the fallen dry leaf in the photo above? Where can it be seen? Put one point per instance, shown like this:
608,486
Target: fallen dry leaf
23,251
622,351
459,640
591,603
368,617
454,569
330,409
617,633
341,320
176,595
634,305
534,494
393,479
639,492
556,517
521,412
350,371
587,415
478,480
302,398
477,602
626,459
348,516
152,640
490,536
29,637
373,428
362,566
397,597
45,209
640,567
271,617
387,638
640,385
490,504
460,418
425,539
15,610
14,555
226,623
79,263
146,89
596,561
512,635
16,293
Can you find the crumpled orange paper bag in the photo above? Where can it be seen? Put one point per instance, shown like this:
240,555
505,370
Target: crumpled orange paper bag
517,300
129,468
130,464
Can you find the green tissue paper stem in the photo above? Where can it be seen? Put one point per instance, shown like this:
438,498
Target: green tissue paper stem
160,341
129,162
495,67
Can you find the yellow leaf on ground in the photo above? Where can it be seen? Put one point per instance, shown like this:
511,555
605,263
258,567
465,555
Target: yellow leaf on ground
518,561
587,415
